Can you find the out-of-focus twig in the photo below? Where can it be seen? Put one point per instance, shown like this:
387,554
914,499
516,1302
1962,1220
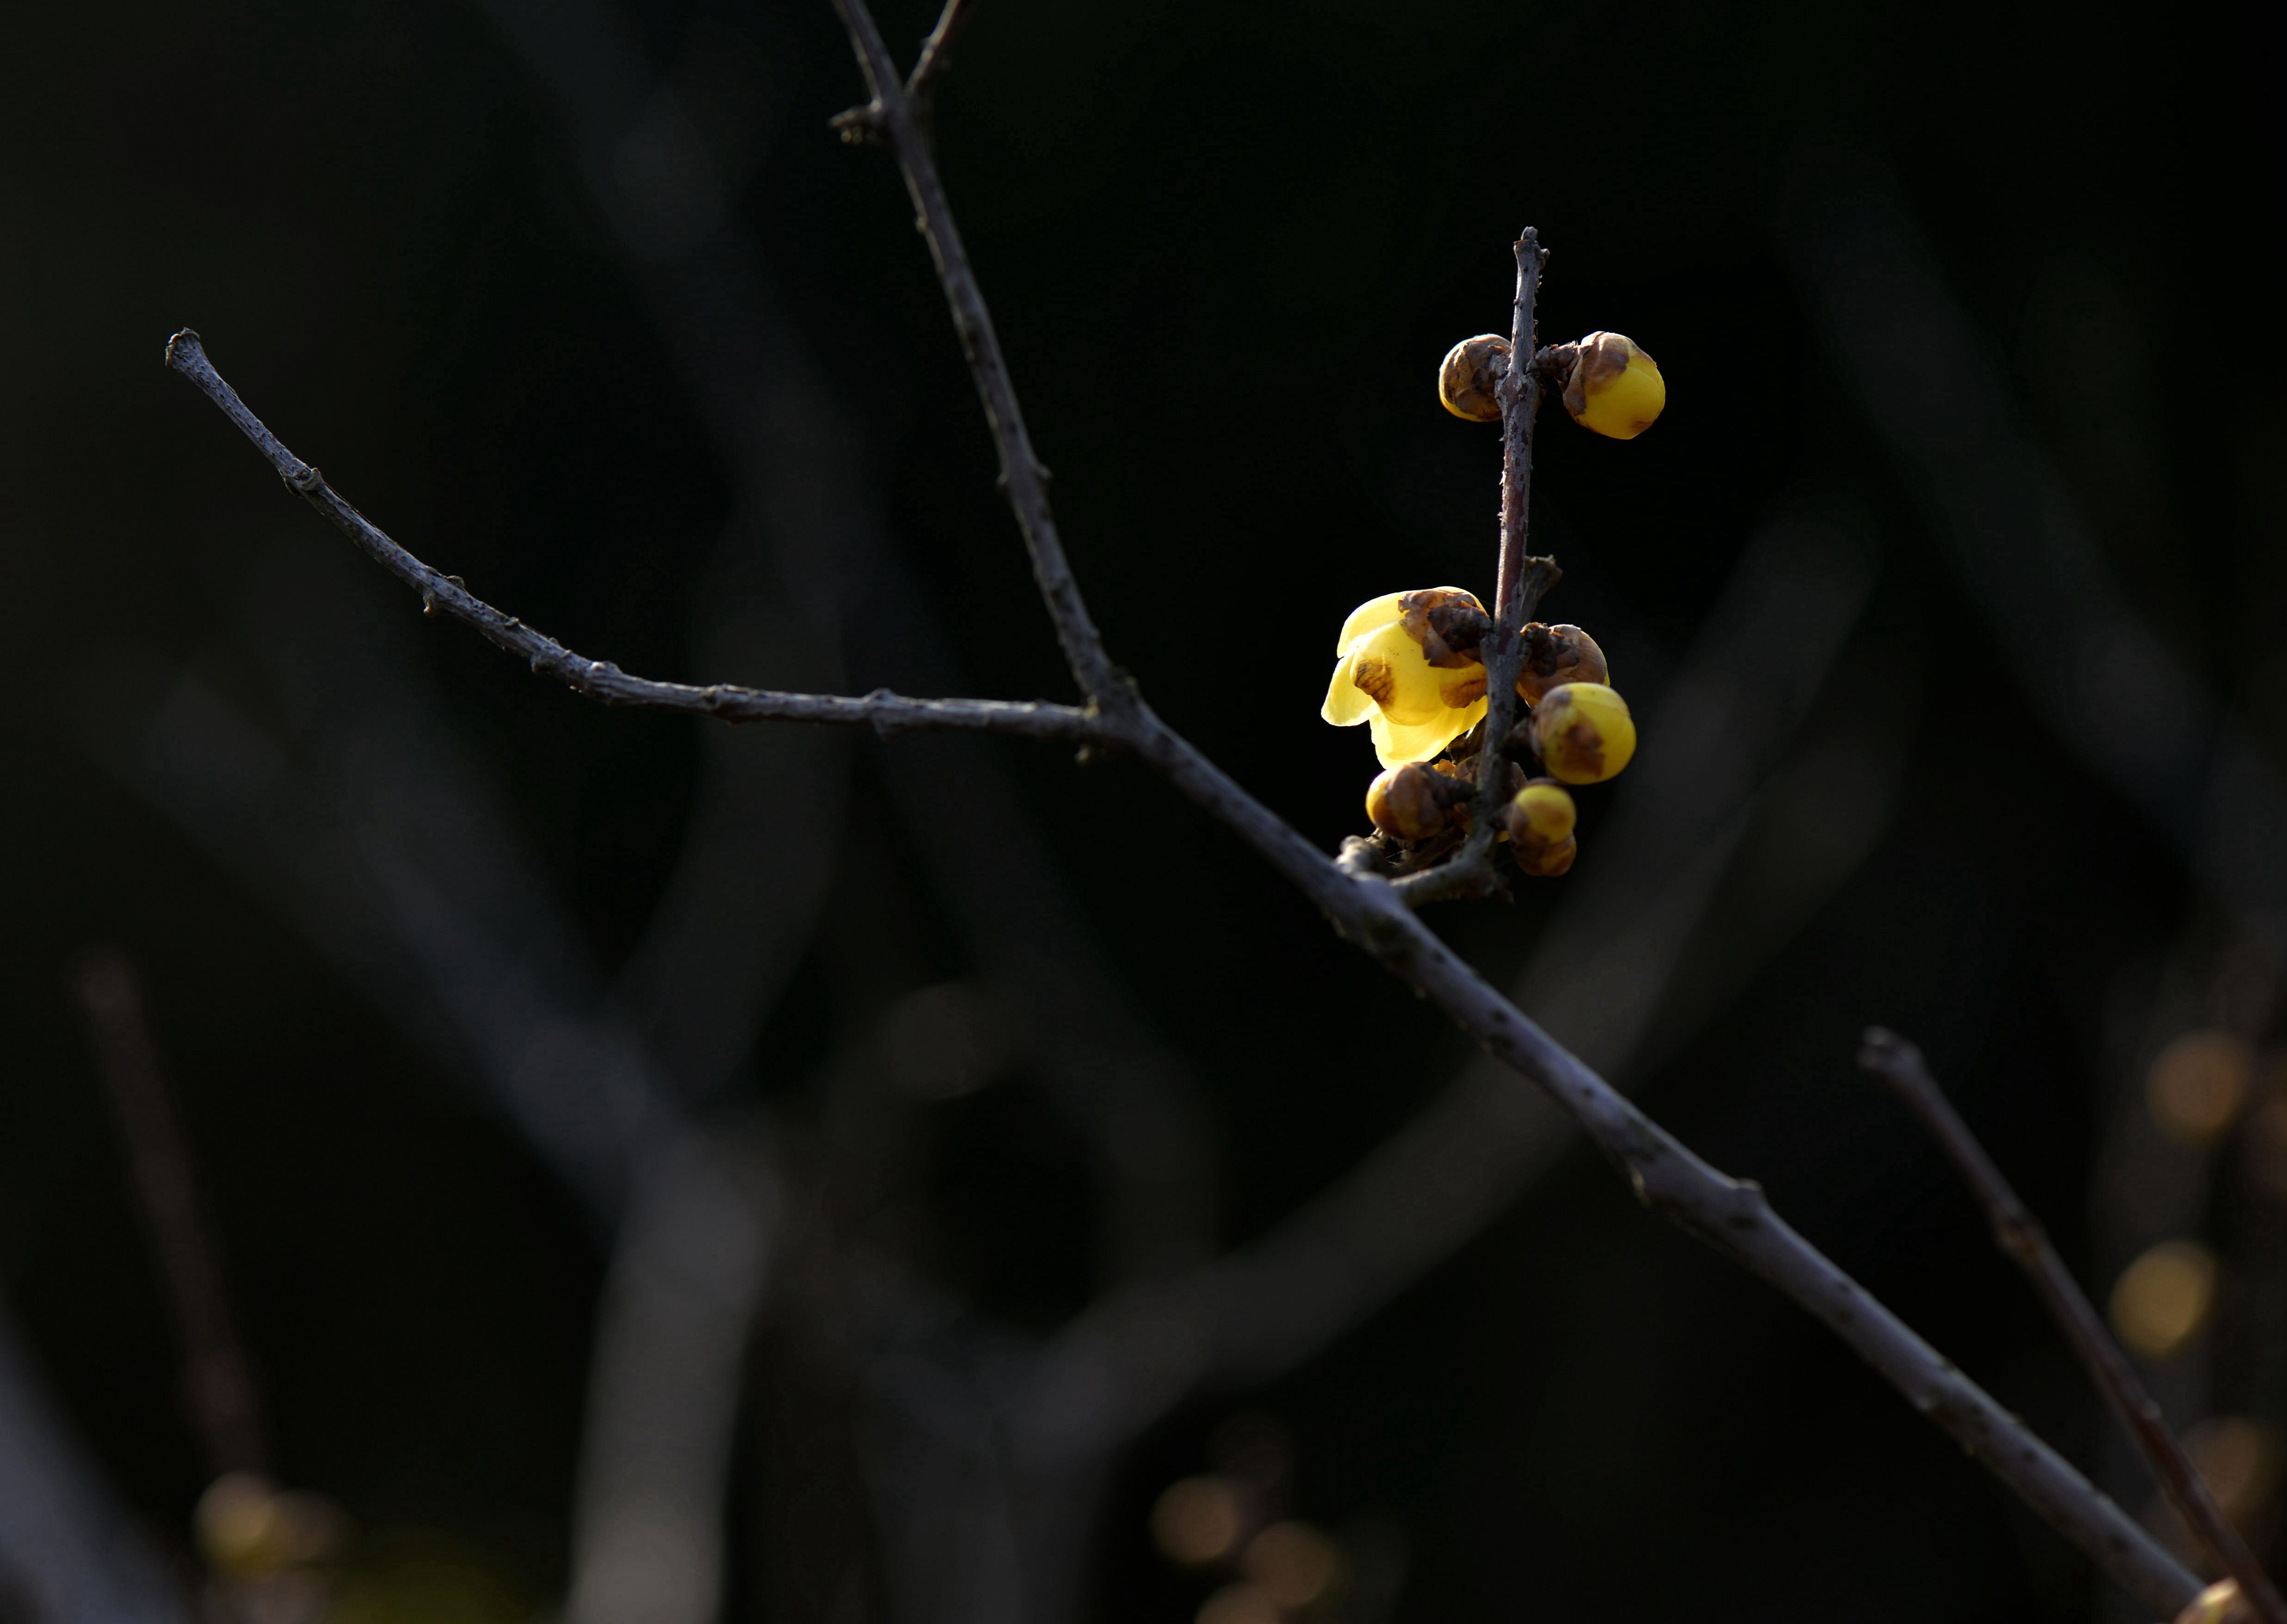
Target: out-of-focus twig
2019,1233
68,1551
937,57
217,1378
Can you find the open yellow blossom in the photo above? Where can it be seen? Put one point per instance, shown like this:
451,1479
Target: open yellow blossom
1407,664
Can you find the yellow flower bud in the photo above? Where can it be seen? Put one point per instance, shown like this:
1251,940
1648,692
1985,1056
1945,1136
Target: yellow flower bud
1407,663
1472,371
1583,733
1406,804
1540,818
1558,654
1614,388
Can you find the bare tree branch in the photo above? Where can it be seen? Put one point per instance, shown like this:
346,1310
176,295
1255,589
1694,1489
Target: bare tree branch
1021,475
885,712
217,1380
1731,1215
937,57
2019,1233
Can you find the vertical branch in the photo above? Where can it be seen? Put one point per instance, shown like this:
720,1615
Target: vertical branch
217,1380
1520,578
2018,1232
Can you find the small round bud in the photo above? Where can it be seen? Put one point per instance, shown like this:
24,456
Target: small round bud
1542,813
1582,732
1613,388
1473,370
1556,655
1540,818
1404,803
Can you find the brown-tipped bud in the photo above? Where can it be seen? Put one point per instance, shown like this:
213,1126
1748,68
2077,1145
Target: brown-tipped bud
1554,655
1405,804
1582,732
1540,819
1448,623
1473,371
1613,387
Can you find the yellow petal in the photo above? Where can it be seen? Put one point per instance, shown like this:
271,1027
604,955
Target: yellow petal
1626,406
1370,616
1347,703
1395,743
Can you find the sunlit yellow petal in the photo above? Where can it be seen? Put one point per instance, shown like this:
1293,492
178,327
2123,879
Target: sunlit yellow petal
1370,616
1390,666
1395,743
1347,703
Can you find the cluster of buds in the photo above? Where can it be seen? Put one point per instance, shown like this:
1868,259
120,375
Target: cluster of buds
1410,664
1611,386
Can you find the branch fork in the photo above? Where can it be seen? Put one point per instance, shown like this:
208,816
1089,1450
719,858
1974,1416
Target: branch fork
1373,912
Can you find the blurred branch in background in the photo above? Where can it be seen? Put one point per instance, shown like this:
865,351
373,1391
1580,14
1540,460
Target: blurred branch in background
2057,618
2020,1235
69,1553
218,1387
2081,643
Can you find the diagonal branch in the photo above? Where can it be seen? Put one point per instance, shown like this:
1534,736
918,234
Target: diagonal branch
885,712
2018,1232
937,57
892,115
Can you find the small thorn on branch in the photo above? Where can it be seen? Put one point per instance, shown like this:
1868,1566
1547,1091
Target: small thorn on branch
861,126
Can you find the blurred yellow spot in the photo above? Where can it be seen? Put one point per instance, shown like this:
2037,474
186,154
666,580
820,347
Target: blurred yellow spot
1199,1520
2240,1458
1240,1603
2198,1085
2163,1299
245,1524
1294,1563
2219,1603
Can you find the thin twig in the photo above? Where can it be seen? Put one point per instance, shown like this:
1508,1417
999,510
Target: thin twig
1731,1215
1021,475
2018,1232
887,714
937,58
218,1379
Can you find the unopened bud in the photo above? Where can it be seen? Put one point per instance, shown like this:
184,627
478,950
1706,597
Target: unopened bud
1540,819
1582,732
1405,804
1472,372
1614,388
1556,655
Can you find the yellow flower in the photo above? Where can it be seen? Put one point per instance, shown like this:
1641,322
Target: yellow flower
1408,665
1615,388
1540,820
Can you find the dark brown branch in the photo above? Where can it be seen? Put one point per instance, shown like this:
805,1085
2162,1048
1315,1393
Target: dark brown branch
885,712
1021,475
1732,1216
218,1379
1520,580
937,57
2019,1233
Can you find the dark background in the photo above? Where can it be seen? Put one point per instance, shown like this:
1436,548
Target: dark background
1226,245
